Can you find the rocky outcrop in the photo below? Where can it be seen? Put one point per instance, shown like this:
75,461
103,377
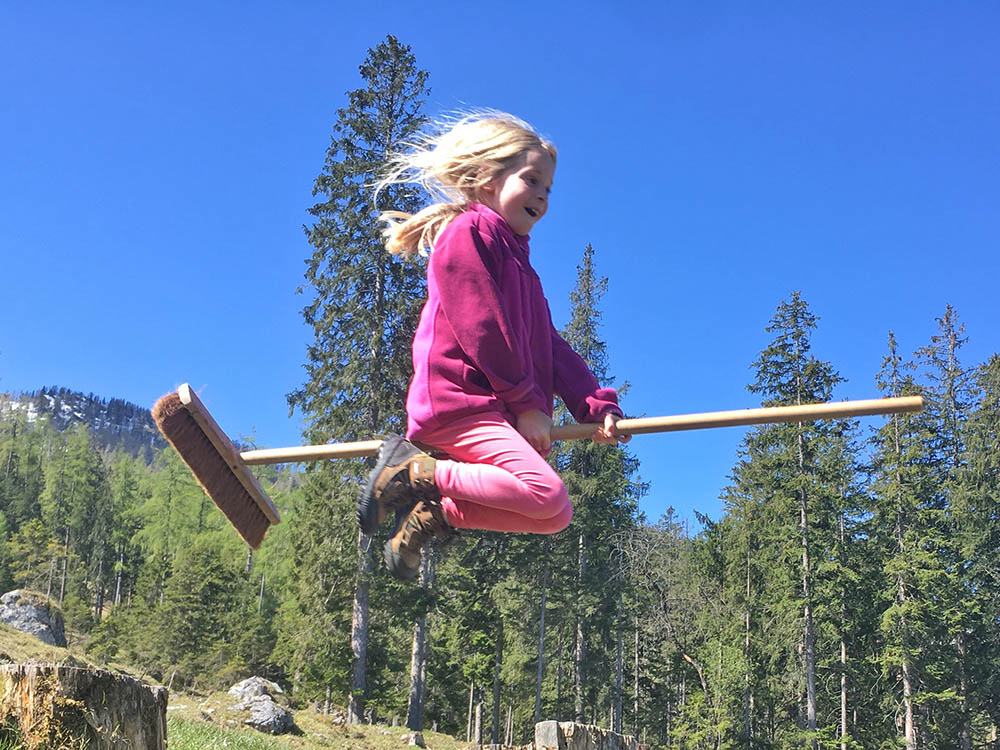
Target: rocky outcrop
33,613
51,704
257,696
254,686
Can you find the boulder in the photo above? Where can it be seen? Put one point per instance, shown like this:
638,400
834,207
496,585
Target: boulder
266,715
255,695
253,686
33,613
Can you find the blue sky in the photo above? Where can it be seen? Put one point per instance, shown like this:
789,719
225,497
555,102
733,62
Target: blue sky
157,160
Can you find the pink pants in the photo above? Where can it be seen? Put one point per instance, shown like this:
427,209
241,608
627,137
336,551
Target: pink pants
496,481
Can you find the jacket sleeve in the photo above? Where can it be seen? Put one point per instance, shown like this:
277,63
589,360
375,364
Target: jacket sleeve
577,386
466,266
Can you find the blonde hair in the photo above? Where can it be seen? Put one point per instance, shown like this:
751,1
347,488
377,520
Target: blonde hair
452,166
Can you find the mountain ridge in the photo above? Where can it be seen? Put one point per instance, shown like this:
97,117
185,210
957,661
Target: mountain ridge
116,424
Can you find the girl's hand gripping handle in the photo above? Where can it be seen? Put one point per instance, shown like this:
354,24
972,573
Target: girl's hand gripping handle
536,427
608,432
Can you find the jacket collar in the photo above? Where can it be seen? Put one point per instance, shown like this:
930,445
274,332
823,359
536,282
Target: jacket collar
521,240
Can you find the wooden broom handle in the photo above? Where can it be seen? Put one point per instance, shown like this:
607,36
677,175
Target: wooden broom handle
641,426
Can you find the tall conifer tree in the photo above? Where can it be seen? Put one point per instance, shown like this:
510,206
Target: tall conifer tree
362,310
949,400
788,467
978,499
600,480
900,488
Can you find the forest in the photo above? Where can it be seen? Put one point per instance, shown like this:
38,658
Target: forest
847,596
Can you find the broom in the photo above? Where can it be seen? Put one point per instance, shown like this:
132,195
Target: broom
223,471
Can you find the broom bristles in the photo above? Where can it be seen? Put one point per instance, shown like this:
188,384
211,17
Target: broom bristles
210,469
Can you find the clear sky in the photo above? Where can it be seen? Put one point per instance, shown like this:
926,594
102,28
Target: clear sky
157,160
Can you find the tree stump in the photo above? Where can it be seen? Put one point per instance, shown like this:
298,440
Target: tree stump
568,735
52,705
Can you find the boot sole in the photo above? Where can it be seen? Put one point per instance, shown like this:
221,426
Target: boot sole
367,507
397,568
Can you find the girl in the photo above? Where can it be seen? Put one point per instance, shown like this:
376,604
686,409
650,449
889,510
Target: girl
486,357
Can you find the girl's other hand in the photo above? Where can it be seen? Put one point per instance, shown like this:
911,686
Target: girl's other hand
608,432
535,426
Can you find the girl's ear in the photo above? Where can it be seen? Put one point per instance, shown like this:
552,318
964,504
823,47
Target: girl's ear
487,192
489,187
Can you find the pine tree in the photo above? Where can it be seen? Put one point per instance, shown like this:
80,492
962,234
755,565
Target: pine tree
791,475
193,621
75,506
978,498
362,311
948,396
600,483
901,486
125,498
21,477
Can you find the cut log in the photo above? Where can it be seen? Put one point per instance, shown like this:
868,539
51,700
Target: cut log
52,703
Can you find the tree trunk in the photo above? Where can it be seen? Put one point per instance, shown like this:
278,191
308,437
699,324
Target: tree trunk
415,701
843,642
909,728
359,632
201,519
10,453
65,568
965,736
166,549
468,721
747,698
477,732
418,654
52,572
635,683
99,590
559,670
118,575
580,651
807,614
497,665
617,721
843,695
541,637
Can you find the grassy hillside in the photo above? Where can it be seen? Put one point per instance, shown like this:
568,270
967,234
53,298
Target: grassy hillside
204,722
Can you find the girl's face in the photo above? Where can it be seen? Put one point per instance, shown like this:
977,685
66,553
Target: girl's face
521,194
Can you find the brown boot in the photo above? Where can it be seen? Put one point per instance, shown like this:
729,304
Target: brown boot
403,475
402,552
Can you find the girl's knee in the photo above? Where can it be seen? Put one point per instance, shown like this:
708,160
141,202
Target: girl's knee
559,522
558,510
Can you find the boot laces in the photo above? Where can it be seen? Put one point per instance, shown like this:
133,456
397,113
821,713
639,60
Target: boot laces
420,524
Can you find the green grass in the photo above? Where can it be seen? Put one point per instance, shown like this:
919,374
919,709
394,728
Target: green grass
204,722
193,735
196,722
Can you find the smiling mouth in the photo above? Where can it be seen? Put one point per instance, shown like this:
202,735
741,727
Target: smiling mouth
531,212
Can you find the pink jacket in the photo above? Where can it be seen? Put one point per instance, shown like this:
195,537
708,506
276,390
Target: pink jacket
485,340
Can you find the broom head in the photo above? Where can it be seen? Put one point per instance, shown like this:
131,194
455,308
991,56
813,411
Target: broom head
215,463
